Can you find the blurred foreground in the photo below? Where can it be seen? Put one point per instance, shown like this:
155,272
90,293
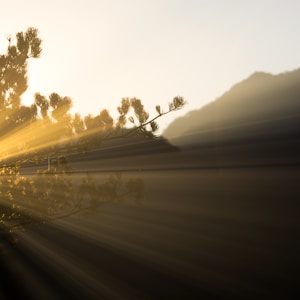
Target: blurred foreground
209,226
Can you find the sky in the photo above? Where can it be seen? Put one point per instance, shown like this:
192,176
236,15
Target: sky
99,51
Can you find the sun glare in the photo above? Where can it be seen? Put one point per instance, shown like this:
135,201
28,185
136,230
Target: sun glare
28,97
36,82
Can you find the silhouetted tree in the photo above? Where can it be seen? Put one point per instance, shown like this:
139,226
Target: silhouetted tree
46,130
13,76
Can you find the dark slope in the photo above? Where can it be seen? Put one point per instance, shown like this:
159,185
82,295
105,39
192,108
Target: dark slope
261,106
128,153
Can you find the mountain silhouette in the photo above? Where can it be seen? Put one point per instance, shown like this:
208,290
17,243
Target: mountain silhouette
260,107
257,120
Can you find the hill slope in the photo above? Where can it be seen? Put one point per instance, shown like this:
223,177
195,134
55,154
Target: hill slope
260,106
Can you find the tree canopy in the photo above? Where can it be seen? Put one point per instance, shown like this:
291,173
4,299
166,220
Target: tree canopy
47,127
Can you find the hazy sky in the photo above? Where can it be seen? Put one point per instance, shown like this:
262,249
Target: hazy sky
98,51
